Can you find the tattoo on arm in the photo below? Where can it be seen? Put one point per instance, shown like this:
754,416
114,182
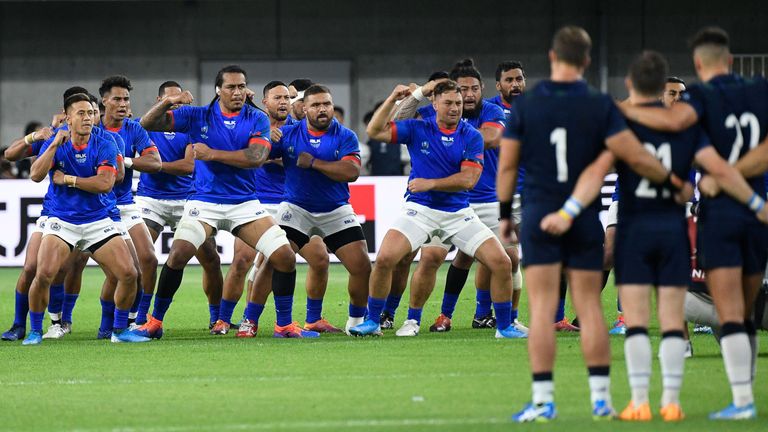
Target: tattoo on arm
256,153
407,109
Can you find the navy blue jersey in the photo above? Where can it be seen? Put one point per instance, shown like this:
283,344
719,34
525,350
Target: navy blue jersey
507,109
676,152
562,127
270,178
438,153
172,147
308,188
216,182
135,141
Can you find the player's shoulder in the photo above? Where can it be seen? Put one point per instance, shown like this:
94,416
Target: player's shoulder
255,113
342,131
490,109
468,131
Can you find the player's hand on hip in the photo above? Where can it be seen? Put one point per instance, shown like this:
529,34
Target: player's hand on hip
420,185
305,160
508,231
555,224
708,186
58,178
685,194
202,152
275,134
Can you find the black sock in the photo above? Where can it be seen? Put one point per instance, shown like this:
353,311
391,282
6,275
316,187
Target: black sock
455,280
606,274
283,284
169,282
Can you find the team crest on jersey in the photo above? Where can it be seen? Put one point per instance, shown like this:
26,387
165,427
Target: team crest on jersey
194,212
286,217
230,124
169,135
55,227
315,142
447,141
425,147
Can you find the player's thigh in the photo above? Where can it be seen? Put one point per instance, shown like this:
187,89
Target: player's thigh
395,246
51,256
33,247
316,253
142,241
298,224
114,256
432,257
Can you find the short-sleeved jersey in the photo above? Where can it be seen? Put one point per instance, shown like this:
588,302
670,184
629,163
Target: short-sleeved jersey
270,178
733,111
562,127
136,141
172,147
74,205
308,188
217,182
507,109
439,153
676,151
426,111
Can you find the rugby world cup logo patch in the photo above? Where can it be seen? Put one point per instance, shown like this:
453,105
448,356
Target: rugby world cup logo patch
425,147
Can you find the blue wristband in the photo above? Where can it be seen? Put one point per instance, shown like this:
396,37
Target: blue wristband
756,203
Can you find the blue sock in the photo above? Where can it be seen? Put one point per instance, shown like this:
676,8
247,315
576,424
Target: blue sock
483,308
253,311
69,306
107,315
393,301
56,301
36,321
449,304
560,311
414,314
314,310
161,307
358,311
144,304
284,310
503,314
375,306
22,309
214,310
121,320
226,309
514,314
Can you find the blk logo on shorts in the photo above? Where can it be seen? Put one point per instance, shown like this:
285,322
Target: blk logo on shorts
146,211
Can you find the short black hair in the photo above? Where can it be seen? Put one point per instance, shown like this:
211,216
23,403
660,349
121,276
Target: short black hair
572,45
31,127
77,97
165,85
676,80
438,75
301,84
272,84
93,99
316,89
508,65
648,73
709,36
465,69
73,90
114,81
339,109
446,87
229,69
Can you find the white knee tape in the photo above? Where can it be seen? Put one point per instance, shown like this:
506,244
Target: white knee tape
517,280
191,231
271,240
252,273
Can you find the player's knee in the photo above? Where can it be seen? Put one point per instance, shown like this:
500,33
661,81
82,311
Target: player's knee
499,263
243,260
190,231
30,270
318,261
148,260
387,261
608,260
462,260
283,259
431,260
361,267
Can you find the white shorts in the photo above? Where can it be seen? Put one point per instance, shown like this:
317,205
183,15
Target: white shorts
161,212
322,224
40,224
80,236
130,215
461,228
224,217
612,218
490,214
272,209
122,229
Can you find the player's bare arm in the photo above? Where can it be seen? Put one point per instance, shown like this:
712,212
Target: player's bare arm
148,162
43,163
675,119
181,167
251,157
159,118
101,183
379,128
461,181
19,149
346,170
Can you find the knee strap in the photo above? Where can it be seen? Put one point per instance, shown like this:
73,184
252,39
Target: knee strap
271,240
191,231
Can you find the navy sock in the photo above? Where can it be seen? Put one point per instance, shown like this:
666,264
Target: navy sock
483,308
56,302
253,311
284,309
120,321
144,304
226,310
161,307
414,314
314,310
449,304
393,301
22,309
69,306
357,311
36,321
107,315
560,315
214,312
375,306
503,314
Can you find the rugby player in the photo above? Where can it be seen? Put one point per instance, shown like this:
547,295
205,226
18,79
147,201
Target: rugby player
296,91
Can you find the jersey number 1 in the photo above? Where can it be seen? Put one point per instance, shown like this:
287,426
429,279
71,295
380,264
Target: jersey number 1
558,138
664,154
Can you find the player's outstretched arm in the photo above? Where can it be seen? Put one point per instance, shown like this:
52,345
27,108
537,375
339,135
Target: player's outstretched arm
101,183
461,181
379,128
251,157
755,162
181,167
346,170
42,165
19,149
680,116
158,118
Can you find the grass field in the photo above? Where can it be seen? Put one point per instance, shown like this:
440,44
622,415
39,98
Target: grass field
191,381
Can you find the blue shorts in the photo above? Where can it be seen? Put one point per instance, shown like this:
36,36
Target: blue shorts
731,236
581,248
653,250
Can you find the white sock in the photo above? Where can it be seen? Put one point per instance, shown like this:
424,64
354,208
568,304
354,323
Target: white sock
738,366
637,351
55,316
753,344
543,391
600,388
517,280
132,315
672,355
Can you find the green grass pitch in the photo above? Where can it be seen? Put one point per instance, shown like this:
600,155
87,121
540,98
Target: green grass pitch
191,381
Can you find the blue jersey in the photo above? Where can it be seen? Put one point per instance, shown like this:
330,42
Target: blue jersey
74,205
562,127
270,178
733,111
136,141
438,153
426,111
217,182
507,109
308,188
676,152
172,147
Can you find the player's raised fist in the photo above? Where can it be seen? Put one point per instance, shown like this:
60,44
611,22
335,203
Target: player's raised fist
400,92
43,134
62,136
185,98
429,87
59,178
275,134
